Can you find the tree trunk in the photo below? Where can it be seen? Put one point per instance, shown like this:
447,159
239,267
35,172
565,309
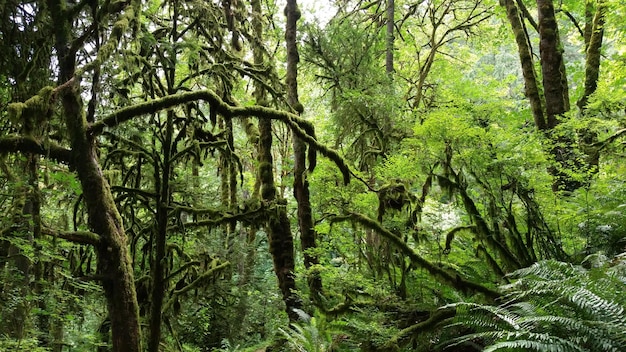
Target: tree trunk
158,265
114,264
300,182
552,66
593,51
390,36
526,60
278,226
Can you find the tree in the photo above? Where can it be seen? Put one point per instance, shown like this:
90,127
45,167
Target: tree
555,87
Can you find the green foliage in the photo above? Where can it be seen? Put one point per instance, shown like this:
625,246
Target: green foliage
26,345
314,334
552,306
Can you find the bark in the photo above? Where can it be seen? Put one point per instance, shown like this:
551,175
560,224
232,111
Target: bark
278,226
526,60
162,178
114,263
390,36
552,66
593,47
300,183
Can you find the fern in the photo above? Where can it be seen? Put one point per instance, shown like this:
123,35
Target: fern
312,334
552,306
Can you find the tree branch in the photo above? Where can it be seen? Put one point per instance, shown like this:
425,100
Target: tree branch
435,318
20,144
201,280
80,237
453,279
526,14
603,144
298,125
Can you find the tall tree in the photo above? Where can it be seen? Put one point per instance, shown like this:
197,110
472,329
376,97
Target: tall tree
550,106
278,226
300,180
114,264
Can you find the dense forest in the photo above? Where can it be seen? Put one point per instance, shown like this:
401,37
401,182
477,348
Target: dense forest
350,175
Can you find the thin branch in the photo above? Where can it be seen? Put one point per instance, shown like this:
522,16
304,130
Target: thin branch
201,280
603,144
226,217
575,22
526,14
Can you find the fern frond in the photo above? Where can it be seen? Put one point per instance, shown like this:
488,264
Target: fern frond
533,345
553,306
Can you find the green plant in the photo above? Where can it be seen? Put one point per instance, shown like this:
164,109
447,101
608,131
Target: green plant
313,334
552,306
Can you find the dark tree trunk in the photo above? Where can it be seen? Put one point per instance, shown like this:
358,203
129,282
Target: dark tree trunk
300,182
552,67
162,177
278,226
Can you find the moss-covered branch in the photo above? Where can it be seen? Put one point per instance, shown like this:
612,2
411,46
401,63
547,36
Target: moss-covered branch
450,236
481,229
452,279
20,144
80,237
433,321
135,191
223,217
604,143
201,280
182,268
298,125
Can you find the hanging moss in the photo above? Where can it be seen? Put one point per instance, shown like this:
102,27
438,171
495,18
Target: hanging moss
298,125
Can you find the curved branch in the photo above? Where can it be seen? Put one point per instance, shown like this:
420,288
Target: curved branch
435,319
604,143
227,217
298,125
20,144
453,279
201,280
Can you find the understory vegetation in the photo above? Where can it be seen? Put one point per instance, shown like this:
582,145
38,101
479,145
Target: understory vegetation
373,176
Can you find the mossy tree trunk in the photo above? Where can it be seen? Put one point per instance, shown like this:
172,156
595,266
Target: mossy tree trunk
552,66
594,34
26,68
114,264
549,99
300,182
278,226
162,175
526,59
